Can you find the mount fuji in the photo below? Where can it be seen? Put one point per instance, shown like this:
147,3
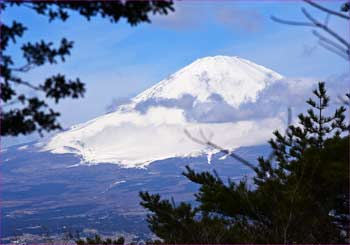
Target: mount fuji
87,178
220,95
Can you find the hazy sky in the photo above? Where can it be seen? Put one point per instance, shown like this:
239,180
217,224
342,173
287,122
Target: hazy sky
117,61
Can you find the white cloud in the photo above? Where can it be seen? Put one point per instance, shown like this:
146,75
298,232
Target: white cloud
132,139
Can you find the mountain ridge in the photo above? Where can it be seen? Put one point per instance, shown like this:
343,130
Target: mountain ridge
216,65
152,126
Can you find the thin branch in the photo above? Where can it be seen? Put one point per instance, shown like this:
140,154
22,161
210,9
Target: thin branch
326,21
28,84
28,5
330,42
329,11
290,22
292,204
324,42
344,101
332,46
289,118
10,103
289,122
325,28
205,141
25,68
333,50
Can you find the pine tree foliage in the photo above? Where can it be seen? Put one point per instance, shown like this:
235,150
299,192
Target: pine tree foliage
98,240
299,196
24,114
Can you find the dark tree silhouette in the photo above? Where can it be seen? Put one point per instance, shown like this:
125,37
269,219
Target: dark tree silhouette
301,195
98,240
23,114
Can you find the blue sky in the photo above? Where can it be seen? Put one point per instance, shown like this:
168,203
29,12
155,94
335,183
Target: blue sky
117,61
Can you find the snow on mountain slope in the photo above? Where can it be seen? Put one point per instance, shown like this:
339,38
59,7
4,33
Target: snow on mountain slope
235,79
151,127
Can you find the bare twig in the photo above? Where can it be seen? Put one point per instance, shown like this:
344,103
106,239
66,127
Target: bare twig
329,11
289,122
10,103
25,83
330,42
346,100
342,48
24,68
291,22
205,141
326,21
290,115
325,45
325,28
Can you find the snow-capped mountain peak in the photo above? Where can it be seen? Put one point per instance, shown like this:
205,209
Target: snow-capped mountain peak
235,79
203,95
